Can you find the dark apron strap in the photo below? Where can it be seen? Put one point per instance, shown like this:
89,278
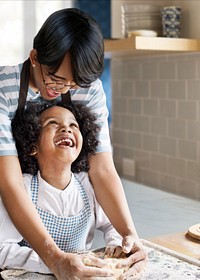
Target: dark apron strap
24,83
66,98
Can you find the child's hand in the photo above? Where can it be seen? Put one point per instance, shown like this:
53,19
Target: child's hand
114,252
137,259
134,262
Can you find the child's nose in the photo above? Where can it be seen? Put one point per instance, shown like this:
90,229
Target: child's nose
66,128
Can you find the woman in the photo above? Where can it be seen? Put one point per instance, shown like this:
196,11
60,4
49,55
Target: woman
66,59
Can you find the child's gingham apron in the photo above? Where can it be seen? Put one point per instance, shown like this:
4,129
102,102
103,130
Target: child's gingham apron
69,233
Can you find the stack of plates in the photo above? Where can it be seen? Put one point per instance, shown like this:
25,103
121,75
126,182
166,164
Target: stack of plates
140,17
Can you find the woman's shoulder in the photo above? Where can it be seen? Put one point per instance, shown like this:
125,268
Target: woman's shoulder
96,88
10,77
8,70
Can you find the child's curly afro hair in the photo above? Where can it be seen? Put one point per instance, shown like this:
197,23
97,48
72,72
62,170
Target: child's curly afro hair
26,129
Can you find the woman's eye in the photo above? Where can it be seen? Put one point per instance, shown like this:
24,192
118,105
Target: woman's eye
54,80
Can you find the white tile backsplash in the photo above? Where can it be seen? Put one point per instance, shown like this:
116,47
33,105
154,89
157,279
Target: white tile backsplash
156,107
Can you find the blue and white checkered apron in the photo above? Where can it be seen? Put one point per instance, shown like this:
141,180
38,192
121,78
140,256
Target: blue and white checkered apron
69,233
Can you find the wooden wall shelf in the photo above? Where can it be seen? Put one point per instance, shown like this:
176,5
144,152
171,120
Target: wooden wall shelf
139,45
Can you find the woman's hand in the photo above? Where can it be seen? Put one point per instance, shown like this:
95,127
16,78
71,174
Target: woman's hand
80,267
135,259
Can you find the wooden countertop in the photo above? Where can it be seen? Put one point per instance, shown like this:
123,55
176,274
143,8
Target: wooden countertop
180,242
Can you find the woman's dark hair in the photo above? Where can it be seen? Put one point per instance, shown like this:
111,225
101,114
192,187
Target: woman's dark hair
26,128
74,31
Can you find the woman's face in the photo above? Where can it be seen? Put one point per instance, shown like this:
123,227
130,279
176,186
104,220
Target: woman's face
51,85
60,139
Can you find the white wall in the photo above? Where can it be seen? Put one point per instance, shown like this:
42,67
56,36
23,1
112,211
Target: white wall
191,20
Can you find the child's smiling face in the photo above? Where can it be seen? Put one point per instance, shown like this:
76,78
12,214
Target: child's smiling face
60,137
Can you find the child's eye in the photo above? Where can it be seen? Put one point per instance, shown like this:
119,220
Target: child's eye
75,125
52,122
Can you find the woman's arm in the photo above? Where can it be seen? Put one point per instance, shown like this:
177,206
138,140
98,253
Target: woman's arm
110,194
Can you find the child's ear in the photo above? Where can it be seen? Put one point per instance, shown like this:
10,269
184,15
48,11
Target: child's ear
33,151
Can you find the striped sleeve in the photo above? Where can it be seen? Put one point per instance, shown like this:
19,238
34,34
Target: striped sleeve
95,99
7,144
9,92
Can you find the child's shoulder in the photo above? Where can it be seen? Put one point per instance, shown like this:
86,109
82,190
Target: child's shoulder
84,180
82,177
27,181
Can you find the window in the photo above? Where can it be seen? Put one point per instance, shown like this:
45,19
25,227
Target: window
19,22
11,32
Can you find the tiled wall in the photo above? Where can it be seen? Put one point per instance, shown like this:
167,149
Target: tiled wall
156,120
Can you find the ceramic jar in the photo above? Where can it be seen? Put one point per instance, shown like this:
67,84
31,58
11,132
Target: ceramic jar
171,21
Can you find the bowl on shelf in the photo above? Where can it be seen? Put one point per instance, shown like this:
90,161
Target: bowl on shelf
144,33
139,8
140,17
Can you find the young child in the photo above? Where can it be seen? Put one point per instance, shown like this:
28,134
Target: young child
52,139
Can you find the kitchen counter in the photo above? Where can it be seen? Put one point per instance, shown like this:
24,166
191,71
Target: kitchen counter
163,264
180,242
168,264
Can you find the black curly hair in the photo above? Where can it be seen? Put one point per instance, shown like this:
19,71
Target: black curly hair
26,129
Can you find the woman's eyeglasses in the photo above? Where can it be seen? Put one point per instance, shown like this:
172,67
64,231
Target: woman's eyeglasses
57,86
